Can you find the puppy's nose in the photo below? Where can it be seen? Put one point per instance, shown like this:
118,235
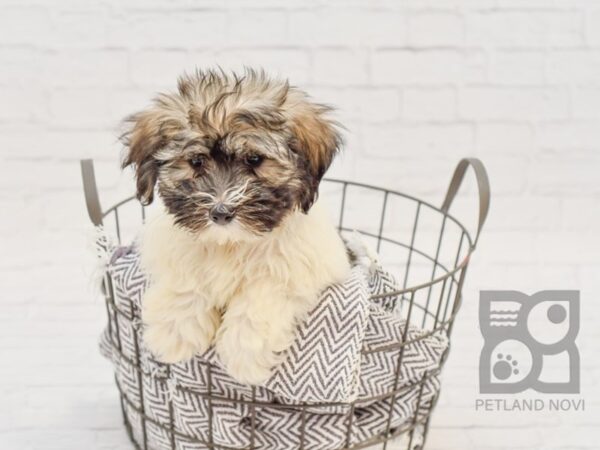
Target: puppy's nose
221,214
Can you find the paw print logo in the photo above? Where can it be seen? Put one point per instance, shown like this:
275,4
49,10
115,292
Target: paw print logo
527,337
505,367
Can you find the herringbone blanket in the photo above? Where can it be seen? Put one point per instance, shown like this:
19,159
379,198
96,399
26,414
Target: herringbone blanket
329,367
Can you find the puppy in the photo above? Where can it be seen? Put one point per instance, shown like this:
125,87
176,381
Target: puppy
240,251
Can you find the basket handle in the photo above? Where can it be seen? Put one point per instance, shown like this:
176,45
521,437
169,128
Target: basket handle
90,190
483,184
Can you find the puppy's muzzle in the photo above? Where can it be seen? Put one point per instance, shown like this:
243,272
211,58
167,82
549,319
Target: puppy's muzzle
221,214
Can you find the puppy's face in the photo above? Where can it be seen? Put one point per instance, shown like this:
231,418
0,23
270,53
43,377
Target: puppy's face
232,156
241,182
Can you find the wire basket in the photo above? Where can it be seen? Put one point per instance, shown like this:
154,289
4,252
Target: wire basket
426,246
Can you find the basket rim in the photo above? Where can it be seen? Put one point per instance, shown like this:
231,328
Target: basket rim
448,272
348,183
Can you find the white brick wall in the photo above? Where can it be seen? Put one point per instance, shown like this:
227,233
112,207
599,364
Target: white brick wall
419,84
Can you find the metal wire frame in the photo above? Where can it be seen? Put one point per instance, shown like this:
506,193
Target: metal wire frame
449,279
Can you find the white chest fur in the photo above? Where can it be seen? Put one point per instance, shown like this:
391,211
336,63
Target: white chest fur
242,294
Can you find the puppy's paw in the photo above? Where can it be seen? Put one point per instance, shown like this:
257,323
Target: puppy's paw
245,367
245,356
168,346
176,327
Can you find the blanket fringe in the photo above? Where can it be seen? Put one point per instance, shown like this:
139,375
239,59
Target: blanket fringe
101,246
361,252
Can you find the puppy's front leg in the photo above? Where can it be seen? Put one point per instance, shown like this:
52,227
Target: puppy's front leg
177,325
257,325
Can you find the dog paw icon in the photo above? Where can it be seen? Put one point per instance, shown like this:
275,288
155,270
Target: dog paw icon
508,363
505,367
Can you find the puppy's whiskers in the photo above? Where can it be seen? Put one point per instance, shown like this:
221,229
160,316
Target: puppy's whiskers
201,195
236,194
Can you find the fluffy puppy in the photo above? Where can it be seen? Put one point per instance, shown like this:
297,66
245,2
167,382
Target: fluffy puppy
240,251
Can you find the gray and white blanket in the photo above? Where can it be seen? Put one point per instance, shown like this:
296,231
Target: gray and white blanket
329,367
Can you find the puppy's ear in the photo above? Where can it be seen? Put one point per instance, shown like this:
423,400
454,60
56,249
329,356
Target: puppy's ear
147,132
316,140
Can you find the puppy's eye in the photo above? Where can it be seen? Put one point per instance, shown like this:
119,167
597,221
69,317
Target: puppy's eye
196,162
254,160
